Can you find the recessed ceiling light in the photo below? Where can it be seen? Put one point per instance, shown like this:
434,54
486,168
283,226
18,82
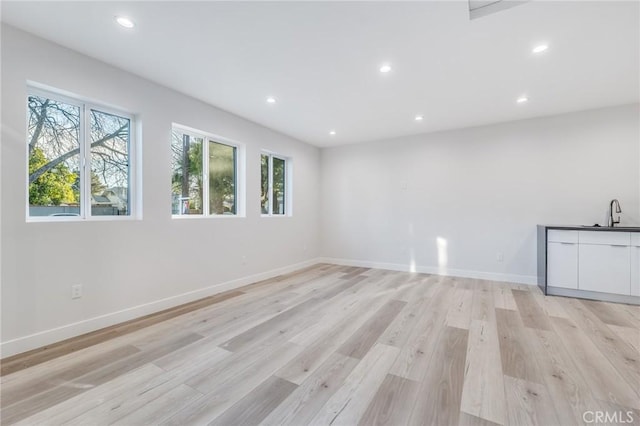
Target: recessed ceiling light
540,48
125,22
522,99
419,117
332,133
271,100
385,68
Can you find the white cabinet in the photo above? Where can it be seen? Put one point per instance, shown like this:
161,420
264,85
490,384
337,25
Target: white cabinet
635,264
605,268
598,264
562,264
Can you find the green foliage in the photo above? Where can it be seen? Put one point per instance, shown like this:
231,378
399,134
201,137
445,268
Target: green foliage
264,183
221,179
53,187
278,185
97,187
187,178
191,172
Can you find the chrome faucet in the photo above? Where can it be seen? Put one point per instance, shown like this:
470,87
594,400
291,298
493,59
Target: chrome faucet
612,221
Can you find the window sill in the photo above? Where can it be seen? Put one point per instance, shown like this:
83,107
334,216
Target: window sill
200,216
76,219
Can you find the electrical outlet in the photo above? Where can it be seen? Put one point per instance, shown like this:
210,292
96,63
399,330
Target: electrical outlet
499,257
244,260
76,291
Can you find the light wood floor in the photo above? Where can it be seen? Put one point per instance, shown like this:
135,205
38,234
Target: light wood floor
351,346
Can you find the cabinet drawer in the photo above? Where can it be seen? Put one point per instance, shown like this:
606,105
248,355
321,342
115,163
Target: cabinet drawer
605,268
635,239
605,238
562,236
562,265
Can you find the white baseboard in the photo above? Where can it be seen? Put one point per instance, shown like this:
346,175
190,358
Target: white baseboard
37,340
492,276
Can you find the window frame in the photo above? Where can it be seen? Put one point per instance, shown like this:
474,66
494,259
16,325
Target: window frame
288,168
239,173
84,139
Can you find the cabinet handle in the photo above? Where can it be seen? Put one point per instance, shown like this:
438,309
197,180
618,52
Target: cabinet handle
618,245
567,244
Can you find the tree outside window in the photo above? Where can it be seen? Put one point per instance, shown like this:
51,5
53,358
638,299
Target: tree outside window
63,137
273,185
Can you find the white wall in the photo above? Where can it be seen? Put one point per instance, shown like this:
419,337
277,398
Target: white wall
150,263
480,190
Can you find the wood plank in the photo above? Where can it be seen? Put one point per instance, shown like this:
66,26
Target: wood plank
528,403
93,397
350,401
36,356
553,306
503,298
196,353
268,328
228,381
223,327
622,356
483,389
482,308
392,404
258,404
340,287
304,402
515,351
14,392
353,272
632,313
603,379
412,289
353,307
629,335
398,332
49,398
570,393
459,315
415,356
441,387
303,366
532,315
608,314
365,337
469,420
135,398
160,408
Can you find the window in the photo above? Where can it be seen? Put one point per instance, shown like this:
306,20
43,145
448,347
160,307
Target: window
204,174
79,158
274,187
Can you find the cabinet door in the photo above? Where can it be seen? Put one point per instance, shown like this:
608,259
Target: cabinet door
605,268
562,265
635,270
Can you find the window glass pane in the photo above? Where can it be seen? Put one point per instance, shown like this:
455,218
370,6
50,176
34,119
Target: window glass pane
264,185
186,173
109,137
278,186
54,157
222,178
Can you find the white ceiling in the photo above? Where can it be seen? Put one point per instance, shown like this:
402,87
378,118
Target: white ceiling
321,59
